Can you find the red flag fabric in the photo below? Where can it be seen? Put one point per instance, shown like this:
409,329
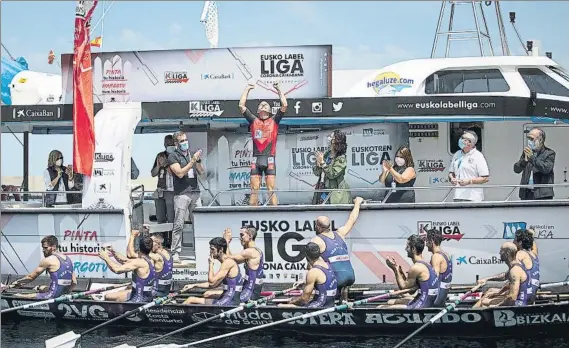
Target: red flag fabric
83,118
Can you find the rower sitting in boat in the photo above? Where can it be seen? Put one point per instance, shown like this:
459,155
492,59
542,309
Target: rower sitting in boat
441,263
519,281
60,269
524,242
320,278
143,273
335,250
228,275
163,268
421,276
496,295
253,262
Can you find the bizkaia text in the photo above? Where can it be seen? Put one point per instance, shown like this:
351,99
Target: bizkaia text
291,231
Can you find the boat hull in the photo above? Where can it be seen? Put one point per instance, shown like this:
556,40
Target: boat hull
550,319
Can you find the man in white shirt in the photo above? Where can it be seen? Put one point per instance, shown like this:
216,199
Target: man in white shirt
468,167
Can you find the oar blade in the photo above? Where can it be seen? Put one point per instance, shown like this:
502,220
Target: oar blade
67,340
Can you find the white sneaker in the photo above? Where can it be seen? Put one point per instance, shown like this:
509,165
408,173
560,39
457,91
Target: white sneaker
176,258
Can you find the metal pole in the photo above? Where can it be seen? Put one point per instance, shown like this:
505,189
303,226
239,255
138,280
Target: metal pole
437,31
477,29
487,34
452,7
26,149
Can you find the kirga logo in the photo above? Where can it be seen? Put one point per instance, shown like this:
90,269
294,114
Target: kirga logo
176,77
389,83
208,108
510,229
431,166
104,157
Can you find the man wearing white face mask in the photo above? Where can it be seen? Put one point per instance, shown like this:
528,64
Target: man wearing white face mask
468,167
536,165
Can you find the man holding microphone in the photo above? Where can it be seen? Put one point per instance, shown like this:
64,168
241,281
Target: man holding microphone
186,168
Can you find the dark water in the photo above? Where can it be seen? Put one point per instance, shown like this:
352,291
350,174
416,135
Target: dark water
33,333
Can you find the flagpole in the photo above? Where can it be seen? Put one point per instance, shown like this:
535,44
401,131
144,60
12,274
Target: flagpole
102,26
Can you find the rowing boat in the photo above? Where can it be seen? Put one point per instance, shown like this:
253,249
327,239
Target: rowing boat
551,318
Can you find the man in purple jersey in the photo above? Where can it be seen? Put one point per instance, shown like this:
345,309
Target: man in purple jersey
60,269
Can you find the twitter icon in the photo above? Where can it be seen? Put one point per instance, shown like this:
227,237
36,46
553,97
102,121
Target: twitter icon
337,107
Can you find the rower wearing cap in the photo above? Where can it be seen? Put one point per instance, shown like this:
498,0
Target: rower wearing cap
421,276
320,279
228,275
441,262
524,242
519,281
335,250
253,261
60,269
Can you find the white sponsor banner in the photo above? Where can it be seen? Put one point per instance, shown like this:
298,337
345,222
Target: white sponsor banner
80,236
472,236
109,184
173,75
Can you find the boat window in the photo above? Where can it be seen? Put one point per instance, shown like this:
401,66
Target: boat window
466,81
564,74
539,82
458,128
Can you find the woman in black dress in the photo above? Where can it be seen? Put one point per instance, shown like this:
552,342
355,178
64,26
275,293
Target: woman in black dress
400,174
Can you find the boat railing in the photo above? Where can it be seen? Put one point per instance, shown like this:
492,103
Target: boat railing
376,195
383,193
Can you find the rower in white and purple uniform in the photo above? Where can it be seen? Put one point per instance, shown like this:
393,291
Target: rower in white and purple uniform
60,269
428,289
335,250
253,261
320,279
143,288
441,263
519,282
228,275
421,276
524,241
163,268
143,273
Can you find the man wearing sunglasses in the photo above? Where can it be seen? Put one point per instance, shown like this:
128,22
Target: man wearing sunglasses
252,259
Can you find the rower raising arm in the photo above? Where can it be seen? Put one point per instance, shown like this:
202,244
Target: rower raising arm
335,250
343,231
253,261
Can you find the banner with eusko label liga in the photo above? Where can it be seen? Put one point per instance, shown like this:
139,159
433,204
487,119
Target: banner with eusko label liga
206,74
473,238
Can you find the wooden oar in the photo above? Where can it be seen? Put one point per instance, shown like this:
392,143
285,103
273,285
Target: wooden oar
68,339
304,316
61,298
250,304
447,309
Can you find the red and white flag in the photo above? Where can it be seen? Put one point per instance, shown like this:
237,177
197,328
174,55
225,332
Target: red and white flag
83,111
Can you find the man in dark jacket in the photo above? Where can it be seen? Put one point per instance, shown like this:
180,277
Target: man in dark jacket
536,165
